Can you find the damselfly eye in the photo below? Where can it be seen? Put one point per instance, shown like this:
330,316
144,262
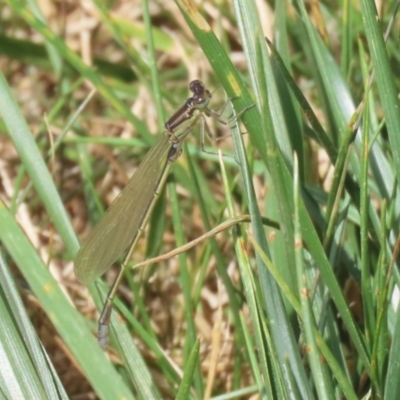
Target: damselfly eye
197,87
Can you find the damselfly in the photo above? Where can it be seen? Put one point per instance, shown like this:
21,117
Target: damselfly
128,215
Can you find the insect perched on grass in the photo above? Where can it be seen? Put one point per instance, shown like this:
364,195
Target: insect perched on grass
128,215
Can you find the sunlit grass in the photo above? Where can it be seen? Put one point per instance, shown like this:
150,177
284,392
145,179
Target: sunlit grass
303,311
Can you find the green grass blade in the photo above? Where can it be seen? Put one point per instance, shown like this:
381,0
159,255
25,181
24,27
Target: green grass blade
33,161
321,377
186,286
31,363
384,77
191,366
253,303
137,370
69,324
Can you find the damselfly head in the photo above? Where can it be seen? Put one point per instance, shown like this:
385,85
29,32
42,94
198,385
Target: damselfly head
201,95
197,86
